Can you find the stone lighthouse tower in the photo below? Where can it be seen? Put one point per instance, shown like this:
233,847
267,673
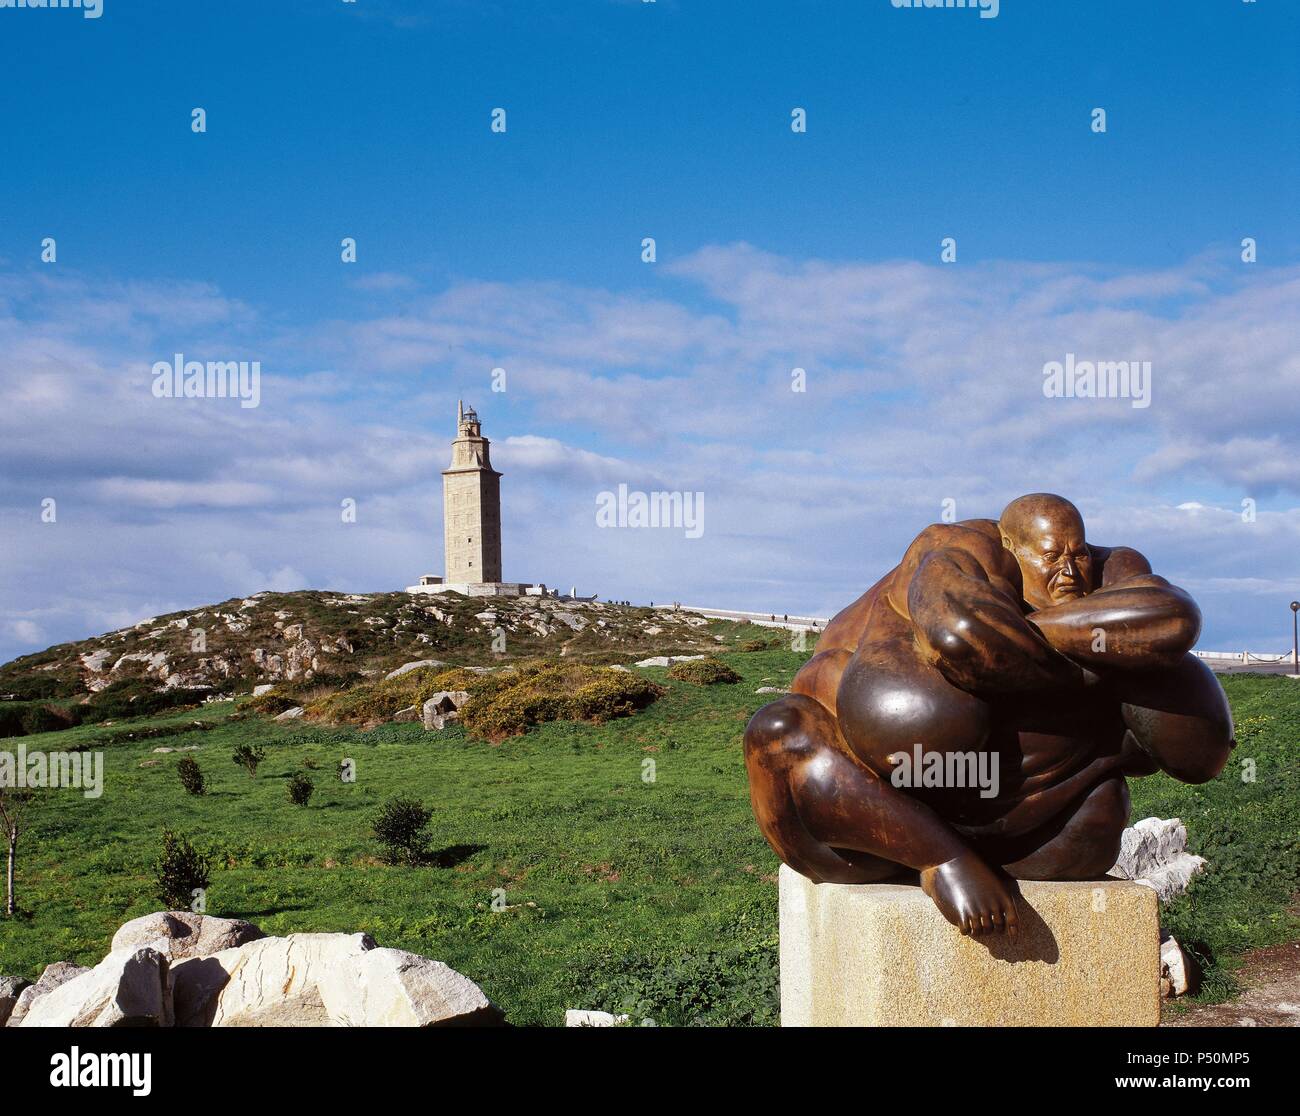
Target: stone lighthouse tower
471,506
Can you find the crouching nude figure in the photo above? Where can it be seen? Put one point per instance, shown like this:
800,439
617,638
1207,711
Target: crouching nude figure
1017,648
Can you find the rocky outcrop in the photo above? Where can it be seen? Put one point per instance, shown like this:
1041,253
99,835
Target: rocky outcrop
1154,852
174,968
443,708
297,637
668,660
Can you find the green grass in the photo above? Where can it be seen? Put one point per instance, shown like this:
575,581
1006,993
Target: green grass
621,893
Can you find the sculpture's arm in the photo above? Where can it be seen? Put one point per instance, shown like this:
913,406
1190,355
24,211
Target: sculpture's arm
1139,622
975,632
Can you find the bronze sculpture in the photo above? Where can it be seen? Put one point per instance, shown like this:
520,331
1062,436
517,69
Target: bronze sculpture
1013,650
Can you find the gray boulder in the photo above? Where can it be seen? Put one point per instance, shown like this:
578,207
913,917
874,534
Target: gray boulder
10,989
406,668
56,974
1154,852
443,708
182,934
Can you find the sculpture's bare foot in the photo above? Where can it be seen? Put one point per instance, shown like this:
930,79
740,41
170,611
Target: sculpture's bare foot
970,895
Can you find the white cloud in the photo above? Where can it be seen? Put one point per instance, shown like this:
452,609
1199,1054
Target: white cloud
923,383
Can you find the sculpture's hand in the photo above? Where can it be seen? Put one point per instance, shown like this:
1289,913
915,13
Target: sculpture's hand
1138,623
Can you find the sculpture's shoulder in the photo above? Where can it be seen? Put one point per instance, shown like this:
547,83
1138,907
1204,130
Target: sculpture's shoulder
980,538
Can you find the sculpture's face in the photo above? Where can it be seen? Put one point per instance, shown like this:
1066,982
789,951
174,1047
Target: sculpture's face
1055,563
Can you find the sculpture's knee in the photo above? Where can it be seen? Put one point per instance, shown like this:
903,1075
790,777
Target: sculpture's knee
792,726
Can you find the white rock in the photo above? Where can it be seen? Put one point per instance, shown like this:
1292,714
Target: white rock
393,988
94,662
1154,852
268,983
443,708
56,974
575,1018
770,690
407,715
1174,968
406,668
182,934
668,660
290,714
127,989
265,688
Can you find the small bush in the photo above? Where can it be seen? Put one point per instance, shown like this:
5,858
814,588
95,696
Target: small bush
703,672
191,776
271,704
402,826
511,702
179,872
248,756
300,789
376,702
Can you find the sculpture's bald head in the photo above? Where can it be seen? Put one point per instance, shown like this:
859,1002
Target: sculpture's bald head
1045,533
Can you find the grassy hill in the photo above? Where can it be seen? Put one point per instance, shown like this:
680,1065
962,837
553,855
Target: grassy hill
620,893
327,639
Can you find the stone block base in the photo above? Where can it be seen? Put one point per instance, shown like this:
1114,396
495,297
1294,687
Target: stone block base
881,955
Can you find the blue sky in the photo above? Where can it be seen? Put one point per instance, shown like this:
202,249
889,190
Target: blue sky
522,250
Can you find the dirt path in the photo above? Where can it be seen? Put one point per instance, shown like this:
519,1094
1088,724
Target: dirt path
1271,979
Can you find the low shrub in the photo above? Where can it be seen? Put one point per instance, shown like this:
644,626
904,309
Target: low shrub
402,826
300,788
180,871
248,756
511,702
703,672
271,704
376,702
502,704
191,776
